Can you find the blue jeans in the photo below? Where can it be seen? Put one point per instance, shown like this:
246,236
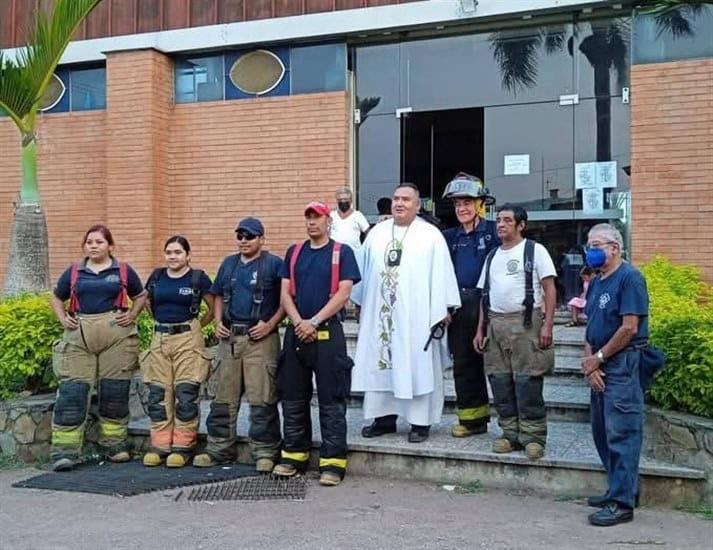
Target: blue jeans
617,416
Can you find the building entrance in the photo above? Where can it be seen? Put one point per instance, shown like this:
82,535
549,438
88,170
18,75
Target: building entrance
435,146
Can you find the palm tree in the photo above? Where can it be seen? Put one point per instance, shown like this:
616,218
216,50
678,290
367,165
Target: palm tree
24,80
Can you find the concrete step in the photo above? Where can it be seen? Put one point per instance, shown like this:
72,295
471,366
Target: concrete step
569,468
566,401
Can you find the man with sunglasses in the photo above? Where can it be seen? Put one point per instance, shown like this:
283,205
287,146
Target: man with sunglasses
616,339
248,311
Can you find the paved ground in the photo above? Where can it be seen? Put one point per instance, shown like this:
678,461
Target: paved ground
361,514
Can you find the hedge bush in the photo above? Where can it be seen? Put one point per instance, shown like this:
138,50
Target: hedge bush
29,328
681,323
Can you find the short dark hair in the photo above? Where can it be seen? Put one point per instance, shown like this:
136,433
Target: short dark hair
103,230
383,206
180,240
409,185
518,212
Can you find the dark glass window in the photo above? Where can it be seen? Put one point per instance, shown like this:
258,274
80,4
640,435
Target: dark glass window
683,33
199,79
377,69
379,159
318,68
87,89
603,55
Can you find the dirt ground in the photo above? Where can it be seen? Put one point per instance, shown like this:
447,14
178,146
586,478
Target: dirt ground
363,513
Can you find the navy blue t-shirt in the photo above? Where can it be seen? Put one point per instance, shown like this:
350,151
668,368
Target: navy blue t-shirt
239,279
469,250
313,272
97,291
172,297
608,300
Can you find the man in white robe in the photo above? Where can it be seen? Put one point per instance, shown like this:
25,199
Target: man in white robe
408,285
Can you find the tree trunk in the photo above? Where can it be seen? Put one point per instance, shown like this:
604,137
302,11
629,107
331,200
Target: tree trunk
28,264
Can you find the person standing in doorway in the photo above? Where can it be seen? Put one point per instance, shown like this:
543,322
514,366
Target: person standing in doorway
348,225
317,277
515,332
469,245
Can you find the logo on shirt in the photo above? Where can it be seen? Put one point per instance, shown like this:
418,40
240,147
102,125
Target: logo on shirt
112,279
488,237
604,299
512,266
253,279
481,243
185,291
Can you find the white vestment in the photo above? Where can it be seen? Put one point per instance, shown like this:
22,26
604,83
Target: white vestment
399,305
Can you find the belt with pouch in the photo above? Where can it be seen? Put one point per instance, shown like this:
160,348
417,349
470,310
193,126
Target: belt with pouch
241,329
171,329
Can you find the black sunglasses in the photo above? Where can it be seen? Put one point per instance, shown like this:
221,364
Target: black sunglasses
245,236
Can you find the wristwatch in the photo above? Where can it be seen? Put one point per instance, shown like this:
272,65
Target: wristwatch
314,321
600,357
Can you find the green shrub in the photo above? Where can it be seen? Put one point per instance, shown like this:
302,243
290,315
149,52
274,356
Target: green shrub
28,328
681,323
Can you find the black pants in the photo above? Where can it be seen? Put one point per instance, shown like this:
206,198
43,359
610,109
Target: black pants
327,358
468,372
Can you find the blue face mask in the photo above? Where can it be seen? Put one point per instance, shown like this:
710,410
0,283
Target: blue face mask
596,257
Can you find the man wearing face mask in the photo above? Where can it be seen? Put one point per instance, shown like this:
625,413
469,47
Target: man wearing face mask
616,344
348,224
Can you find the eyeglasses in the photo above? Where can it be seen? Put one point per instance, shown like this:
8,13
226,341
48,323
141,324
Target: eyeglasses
245,236
600,245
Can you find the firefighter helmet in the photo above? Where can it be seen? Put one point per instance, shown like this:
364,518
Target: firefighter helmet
465,185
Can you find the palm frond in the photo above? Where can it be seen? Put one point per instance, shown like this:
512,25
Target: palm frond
517,57
554,38
662,7
23,80
678,22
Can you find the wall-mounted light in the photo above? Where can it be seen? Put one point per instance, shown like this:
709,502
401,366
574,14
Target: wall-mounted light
468,6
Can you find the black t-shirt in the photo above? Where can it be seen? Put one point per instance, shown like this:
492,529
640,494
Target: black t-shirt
313,272
238,279
172,297
97,292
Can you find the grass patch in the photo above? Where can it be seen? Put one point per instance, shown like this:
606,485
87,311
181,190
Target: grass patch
10,462
703,510
471,487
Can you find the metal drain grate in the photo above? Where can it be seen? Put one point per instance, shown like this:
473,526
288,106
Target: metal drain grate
266,487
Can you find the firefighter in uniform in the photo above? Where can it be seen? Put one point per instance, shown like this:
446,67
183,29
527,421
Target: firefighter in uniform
469,245
176,363
317,278
99,349
248,309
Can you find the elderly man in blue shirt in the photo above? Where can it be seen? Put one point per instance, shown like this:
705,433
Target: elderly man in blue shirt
617,332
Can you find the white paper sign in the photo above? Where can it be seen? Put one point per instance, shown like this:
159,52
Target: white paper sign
592,200
585,175
606,174
516,165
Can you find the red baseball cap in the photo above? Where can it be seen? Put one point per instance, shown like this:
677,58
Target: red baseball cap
318,208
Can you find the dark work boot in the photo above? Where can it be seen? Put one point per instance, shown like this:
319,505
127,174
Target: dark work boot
611,514
599,501
380,426
418,434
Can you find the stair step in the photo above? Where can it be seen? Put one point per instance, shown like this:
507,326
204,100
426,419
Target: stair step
570,465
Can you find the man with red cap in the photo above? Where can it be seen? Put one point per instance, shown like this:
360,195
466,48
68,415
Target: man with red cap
317,278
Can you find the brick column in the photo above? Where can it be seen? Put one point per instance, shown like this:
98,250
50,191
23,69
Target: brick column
139,103
672,162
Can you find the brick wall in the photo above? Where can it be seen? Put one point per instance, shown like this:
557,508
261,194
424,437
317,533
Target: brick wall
672,162
72,175
150,169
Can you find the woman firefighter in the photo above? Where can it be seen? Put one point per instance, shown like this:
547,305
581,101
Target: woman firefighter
99,349
176,364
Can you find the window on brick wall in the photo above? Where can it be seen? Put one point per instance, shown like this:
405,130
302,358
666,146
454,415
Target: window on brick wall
320,68
76,89
199,79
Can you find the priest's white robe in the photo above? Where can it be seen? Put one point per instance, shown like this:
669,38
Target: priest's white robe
399,305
